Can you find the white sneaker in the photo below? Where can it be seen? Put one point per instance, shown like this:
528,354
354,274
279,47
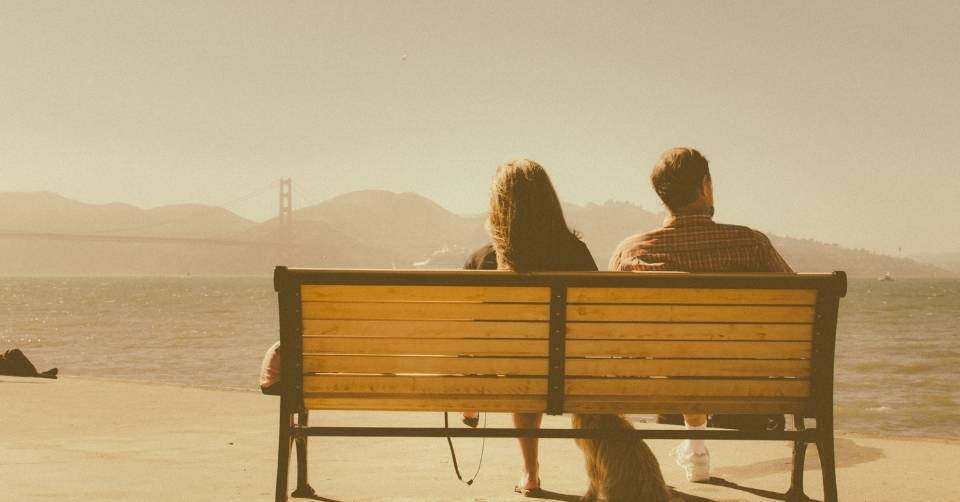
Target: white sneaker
696,465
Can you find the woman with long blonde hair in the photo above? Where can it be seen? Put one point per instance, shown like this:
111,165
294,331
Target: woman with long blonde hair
528,233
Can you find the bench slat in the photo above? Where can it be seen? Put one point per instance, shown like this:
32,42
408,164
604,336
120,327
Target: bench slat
412,346
667,387
351,293
426,311
396,384
426,365
687,367
573,404
690,349
693,296
426,329
424,402
625,387
690,313
755,405
689,331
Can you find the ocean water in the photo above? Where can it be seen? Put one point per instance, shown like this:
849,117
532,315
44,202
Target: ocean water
898,358
898,343
197,331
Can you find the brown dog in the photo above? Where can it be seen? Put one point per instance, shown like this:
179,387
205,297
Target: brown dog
621,469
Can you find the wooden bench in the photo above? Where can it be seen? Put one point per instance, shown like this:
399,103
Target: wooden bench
558,343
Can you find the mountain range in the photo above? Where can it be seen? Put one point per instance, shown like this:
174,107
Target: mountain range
364,229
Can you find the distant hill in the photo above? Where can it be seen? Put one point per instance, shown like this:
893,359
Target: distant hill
948,261
49,212
603,226
369,229
412,229
805,255
406,226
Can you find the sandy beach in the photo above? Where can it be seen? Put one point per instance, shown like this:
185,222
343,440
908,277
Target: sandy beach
93,440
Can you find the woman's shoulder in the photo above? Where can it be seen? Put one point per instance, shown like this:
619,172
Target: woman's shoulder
484,258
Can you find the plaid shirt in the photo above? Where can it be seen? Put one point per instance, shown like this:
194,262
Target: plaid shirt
692,242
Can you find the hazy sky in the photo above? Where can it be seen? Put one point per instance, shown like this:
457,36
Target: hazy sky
837,121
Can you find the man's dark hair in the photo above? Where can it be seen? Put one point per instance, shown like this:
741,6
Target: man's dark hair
678,175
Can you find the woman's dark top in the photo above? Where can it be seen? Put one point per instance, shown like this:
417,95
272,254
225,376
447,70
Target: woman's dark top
572,257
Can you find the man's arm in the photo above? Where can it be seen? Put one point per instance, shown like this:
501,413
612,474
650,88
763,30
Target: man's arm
614,264
770,259
616,260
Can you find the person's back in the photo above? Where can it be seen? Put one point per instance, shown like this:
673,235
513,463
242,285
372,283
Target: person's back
693,242
690,241
571,256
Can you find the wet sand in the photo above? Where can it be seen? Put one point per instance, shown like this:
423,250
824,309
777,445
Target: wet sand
90,440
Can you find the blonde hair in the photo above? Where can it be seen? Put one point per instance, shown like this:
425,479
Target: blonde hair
525,220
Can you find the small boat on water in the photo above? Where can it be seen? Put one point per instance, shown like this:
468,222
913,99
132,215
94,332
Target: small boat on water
886,277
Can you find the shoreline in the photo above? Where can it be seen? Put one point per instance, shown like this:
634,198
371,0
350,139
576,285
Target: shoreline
91,439
253,388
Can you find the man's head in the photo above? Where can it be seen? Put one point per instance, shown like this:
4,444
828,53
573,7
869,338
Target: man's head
681,177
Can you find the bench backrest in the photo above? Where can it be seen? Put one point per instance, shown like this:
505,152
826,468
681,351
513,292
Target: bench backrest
558,342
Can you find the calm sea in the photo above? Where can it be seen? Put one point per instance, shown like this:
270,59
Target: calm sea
898,347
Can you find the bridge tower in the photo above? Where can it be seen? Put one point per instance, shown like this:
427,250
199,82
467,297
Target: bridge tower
285,220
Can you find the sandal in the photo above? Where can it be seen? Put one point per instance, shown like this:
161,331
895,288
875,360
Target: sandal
471,421
529,492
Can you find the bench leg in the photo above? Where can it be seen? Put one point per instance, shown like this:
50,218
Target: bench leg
283,452
827,459
304,490
795,493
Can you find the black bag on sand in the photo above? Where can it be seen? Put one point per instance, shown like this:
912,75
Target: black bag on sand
14,363
751,423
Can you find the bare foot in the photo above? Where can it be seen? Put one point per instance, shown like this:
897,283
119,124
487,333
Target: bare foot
471,418
529,482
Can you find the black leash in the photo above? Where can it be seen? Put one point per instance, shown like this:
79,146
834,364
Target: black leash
453,454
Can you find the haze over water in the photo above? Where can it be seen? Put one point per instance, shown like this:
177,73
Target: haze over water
897,344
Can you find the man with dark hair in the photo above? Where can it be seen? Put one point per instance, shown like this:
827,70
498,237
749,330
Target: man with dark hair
690,241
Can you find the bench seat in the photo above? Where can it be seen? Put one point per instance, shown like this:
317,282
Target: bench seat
557,343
